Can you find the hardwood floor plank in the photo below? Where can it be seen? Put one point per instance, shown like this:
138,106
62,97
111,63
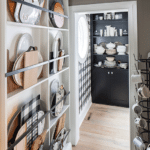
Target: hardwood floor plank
104,128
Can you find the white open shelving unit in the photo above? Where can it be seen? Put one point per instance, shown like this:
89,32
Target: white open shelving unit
43,36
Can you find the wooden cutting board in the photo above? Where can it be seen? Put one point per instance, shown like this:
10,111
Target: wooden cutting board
30,76
60,125
60,62
11,7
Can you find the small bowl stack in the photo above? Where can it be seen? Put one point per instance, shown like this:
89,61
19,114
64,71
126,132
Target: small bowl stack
110,63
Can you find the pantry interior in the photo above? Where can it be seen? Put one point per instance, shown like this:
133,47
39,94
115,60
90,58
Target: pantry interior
110,58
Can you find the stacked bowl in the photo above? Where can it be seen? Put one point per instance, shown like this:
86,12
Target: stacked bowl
110,63
110,50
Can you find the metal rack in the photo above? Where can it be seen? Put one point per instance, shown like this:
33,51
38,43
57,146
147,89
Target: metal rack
145,104
36,124
40,8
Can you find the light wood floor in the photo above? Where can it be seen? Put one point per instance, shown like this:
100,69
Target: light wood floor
106,129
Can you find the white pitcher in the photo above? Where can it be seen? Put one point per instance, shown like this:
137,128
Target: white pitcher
112,31
108,30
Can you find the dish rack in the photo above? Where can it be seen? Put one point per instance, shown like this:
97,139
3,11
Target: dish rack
145,103
43,35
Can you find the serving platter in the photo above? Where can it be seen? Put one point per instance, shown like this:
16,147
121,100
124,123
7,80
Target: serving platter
14,127
42,123
22,145
28,14
57,45
57,6
17,11
24,43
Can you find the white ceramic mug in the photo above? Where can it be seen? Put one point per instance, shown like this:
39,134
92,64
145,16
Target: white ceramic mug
101,18
138,142
99,63
121,32
137,78
108,16
140,122
144,92
148,147
137,108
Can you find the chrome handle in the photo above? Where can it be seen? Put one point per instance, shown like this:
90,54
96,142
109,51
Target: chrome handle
108,72
112,73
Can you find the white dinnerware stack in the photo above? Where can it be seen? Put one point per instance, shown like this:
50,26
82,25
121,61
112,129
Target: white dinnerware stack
121,50
111,49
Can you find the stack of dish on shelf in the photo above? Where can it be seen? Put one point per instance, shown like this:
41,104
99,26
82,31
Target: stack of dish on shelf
25,14
110,48
27,55
25,119
111,63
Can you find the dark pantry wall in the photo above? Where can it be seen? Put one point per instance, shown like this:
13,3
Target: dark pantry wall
143,8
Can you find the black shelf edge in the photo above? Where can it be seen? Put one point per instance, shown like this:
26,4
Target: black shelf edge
115,20
109,55
98,36
112,68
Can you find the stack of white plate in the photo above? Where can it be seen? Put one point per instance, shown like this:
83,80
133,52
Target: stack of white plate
110,64
110,51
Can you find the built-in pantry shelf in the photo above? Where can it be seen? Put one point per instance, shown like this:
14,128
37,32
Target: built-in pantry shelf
43,35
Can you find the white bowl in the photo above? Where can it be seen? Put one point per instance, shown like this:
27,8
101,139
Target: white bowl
121,50
110,46
100,50
110,58
121,47
123,65
111,51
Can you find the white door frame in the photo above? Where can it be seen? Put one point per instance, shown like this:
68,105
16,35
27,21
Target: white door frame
133,49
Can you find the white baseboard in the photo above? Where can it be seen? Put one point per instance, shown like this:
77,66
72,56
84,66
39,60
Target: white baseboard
84,112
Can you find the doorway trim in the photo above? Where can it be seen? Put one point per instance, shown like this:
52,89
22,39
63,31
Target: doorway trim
133,49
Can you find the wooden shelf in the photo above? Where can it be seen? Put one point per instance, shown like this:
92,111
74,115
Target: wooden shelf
34,26
53,121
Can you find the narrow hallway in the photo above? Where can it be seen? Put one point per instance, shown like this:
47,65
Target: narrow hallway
104,128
